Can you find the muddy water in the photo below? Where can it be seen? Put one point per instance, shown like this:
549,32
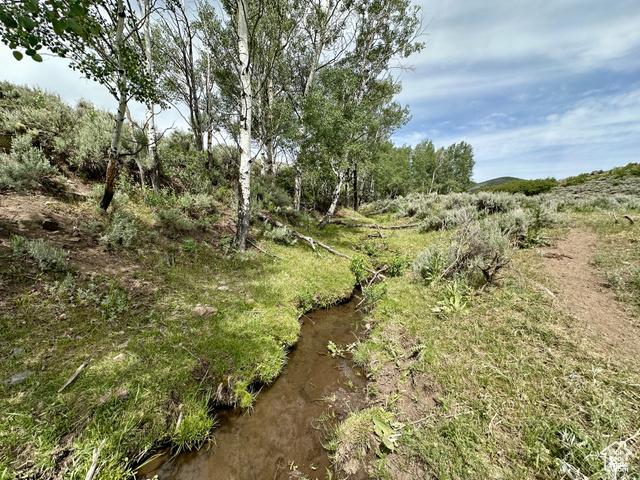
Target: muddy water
281,439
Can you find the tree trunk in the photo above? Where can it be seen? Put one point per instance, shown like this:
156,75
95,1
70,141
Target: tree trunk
334,201
244,198
135,147
114,149
298,189
151,127
355,186
210,165
269,142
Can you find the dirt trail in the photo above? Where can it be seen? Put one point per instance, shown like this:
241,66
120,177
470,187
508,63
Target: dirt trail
582,293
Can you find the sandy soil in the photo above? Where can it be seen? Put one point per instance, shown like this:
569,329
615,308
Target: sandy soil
600,319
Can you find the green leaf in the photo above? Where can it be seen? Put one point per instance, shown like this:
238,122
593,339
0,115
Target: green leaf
30,51
390,443
17,55
73,26
37,58
77,10
59,26
8,20
33,40
27,23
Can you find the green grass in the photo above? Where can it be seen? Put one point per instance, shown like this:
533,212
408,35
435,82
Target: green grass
517,391
174,359
487,382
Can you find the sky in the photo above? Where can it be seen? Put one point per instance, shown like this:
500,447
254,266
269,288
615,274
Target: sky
538,88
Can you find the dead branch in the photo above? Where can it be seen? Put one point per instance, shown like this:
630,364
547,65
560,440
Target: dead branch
180,418
75,374
94,465
264,251
311,241
628,218
375,226
375,275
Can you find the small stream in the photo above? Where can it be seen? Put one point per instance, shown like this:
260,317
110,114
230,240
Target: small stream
281,438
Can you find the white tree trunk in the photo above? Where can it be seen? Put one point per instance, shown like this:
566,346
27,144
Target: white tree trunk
298,189
114,149
244,198
151,127
270,144
334,200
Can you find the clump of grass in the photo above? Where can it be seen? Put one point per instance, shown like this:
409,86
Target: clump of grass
46,256
196,425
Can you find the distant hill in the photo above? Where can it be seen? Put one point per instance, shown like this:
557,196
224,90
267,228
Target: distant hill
492,182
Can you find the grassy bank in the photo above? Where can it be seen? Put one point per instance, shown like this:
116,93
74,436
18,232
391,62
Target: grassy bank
168,325
494,380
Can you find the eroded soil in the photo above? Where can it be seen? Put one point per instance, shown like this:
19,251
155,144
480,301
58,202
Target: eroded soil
605,325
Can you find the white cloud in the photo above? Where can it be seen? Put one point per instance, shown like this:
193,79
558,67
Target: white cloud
607,128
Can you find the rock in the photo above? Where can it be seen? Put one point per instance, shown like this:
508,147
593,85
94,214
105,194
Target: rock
120,357
18,352
18,377
51,225
204,311
223,287
121,394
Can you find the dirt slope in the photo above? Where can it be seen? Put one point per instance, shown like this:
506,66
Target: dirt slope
583,294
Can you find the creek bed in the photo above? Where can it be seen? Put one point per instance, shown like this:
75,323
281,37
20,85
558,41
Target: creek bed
281,437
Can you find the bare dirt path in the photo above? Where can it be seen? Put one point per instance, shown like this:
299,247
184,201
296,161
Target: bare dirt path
601,320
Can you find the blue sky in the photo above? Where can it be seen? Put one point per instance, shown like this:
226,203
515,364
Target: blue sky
538,88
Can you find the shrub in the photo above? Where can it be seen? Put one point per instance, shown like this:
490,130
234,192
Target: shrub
122,230
45,256
491,203
357,268
174,219
90,141
26,168
484,247
526,187
281,235
432,262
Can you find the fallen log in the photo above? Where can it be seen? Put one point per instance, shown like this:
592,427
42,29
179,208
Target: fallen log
369,225
311,241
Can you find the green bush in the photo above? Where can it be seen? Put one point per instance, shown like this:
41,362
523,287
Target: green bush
90,141
357,268
490,203
526,187
281,235
431,263
174,219
26,168
122,230
45,256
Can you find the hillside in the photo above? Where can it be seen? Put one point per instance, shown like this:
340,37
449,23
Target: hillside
491,183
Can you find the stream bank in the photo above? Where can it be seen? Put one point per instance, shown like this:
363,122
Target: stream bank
281,437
